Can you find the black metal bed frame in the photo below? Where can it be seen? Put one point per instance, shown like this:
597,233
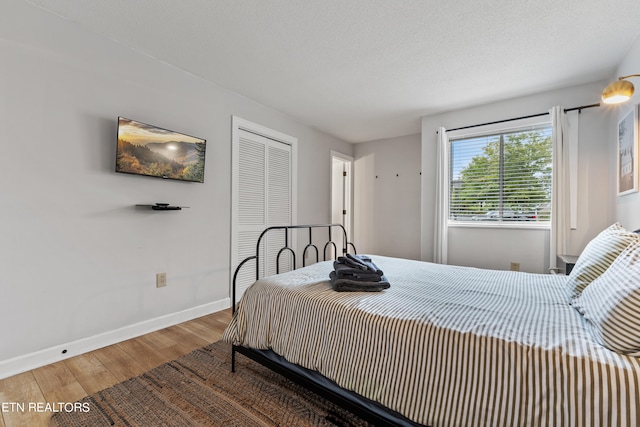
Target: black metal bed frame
367,413
330,244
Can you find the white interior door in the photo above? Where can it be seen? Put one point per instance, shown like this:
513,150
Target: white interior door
341,212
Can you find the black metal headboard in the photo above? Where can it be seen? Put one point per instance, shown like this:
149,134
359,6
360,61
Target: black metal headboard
330,244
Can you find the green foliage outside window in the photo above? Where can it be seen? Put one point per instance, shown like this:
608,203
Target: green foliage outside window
509,177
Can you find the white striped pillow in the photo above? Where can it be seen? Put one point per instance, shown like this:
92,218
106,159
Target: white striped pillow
611,304
598,256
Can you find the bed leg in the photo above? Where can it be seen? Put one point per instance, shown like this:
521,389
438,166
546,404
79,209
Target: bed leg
233,359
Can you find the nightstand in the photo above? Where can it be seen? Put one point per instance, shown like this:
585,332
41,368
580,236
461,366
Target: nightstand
567,262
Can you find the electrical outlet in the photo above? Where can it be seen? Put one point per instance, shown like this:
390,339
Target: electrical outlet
515,266
161,280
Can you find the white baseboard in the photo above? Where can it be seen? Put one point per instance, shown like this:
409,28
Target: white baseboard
54,354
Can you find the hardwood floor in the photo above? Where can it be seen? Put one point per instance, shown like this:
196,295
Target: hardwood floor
80,376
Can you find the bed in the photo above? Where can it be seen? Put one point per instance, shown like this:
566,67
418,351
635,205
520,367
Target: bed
443,346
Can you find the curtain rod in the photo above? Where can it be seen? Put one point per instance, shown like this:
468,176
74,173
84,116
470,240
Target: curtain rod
566,110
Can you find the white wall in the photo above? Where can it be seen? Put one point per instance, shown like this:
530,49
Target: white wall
628,206
78,261
485,247
387,197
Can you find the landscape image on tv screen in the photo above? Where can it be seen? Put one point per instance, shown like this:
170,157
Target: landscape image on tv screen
149,150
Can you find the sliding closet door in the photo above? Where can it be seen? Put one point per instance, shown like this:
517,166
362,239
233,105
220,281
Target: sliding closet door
262,197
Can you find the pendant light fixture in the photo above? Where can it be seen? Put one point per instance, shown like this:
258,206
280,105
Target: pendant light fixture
618,91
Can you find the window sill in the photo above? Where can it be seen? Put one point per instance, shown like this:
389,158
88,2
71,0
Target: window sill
497,224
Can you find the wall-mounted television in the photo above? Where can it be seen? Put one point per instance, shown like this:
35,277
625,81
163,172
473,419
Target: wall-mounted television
149,150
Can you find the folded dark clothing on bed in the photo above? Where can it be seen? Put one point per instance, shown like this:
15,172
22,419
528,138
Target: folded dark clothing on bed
361,262
352,263
346,285
344,271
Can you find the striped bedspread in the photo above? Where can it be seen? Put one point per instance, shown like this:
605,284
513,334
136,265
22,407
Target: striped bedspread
446,345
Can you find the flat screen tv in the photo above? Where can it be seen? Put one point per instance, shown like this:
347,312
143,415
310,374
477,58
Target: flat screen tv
152,151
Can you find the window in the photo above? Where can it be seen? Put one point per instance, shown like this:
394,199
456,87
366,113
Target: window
503,177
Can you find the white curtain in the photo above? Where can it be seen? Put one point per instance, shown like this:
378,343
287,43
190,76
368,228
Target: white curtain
440,248
560,214
573,122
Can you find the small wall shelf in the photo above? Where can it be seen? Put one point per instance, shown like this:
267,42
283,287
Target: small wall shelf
163,207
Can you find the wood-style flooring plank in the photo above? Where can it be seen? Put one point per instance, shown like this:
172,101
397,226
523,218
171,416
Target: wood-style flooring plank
216,322
16,381
186,341
118,362
90,373
202,330
58,384
23,390
165,345
222,318
143,353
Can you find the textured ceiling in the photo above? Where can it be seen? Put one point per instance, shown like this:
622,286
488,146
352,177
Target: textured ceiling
369,69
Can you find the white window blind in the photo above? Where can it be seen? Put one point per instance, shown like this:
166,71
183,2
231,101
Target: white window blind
502,177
